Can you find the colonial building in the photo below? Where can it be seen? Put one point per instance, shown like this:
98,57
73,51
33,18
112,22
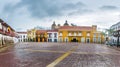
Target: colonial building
52,35
41,36
22,37
84,34
7,34
114,38
31,34
66,33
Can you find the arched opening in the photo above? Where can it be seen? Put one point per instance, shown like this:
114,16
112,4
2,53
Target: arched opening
8,30
88,40
74,40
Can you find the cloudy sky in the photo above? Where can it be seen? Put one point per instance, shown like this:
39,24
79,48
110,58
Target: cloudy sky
27,14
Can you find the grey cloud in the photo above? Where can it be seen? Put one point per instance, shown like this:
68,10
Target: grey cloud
45,8
72,6
81,11
108,7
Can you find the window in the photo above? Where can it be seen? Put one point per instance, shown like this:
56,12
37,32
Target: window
50,35
19,40
60,33
94,40
99,39
94,35
24,36
80,33
42,35
55,35
60,39
24,40
88,34
66,39
75,34
49,40
69,34
55,40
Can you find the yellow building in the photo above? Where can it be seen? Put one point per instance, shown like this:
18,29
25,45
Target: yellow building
67,33
35,35
31,34
84,34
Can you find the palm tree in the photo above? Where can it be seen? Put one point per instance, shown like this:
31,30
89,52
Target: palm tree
104,33
109,31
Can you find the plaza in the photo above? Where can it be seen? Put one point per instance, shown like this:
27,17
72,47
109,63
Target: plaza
59,33
45,54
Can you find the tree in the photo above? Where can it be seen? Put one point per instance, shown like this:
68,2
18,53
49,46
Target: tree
104,33
107,33
110,32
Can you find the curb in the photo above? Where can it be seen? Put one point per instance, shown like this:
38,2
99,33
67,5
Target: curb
5,48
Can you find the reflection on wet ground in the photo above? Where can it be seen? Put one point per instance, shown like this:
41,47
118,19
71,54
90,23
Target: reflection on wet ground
44,54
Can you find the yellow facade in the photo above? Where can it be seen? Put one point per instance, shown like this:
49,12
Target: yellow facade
31,34
81,34
78,35
41,36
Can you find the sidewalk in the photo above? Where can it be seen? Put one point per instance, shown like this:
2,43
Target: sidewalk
5,48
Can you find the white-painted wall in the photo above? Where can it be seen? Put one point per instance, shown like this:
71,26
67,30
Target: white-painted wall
22,37
0,26
52,36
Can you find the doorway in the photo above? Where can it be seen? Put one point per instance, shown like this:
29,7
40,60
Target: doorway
88,40
74,40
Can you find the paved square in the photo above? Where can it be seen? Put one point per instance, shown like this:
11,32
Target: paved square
59,55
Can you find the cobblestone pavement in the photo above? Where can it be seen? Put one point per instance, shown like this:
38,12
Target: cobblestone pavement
59,55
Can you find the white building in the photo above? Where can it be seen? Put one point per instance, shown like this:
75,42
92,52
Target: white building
6,34
115,27
52,35
22,36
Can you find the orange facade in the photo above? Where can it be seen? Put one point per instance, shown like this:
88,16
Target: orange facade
41,36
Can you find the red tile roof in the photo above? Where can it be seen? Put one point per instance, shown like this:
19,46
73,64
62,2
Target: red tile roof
41,31
52,30
76,28
22,32
5,24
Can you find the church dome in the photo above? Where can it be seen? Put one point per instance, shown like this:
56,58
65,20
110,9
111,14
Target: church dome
66,23
54,24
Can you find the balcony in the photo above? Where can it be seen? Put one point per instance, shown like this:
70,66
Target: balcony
75,34
79,34
88,34
69,34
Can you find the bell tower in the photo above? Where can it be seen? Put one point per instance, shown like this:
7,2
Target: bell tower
53,25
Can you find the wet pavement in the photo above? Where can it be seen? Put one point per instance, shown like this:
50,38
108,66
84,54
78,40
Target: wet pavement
59,55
